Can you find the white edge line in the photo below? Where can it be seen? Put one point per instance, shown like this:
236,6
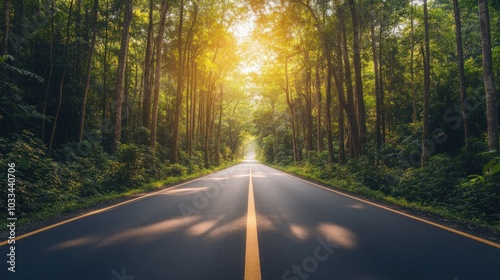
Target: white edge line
482,240
110,207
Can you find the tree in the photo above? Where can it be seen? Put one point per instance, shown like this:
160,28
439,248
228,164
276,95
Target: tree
120,74
178,97
65,67
6,14
489,85
460,67
148,65
427,90
360,103
159,47
88,70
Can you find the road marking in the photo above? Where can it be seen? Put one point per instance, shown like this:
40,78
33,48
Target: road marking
482,240
107,208
252,258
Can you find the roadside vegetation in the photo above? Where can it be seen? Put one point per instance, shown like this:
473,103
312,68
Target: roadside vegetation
104,99
441,188
396,100
389,100
47,187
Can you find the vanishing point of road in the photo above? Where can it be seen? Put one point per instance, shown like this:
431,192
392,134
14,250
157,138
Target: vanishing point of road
250,222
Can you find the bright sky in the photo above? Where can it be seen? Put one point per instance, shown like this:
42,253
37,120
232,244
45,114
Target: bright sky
247,46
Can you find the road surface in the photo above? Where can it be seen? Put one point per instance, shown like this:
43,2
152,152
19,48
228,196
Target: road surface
249,222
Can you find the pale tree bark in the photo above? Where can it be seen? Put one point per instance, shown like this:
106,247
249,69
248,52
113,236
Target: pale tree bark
489,85
89,67
120,74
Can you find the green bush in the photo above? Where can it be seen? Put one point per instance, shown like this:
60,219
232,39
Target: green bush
176,170
480,197
134,165
38,178
435,183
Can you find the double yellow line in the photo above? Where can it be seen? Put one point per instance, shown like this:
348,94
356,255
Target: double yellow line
252,258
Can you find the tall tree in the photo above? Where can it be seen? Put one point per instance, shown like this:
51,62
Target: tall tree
6,14
159,47
289,101
148,64
89,67
427,92
319,111
412,69
178,96
120,74
460,67
65,67
360,108
489,85
378,105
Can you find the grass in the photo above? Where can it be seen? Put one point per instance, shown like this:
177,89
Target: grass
353,187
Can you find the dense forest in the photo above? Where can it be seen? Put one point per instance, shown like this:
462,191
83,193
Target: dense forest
394,100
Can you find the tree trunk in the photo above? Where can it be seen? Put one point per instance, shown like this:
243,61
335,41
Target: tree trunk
219,130
289,101
461,71
489,85
120,73
360,108
156,97
412,70
5,39
178,97
328,104
343,58
309,132
341,135
51,70
427,73
61,85
319,132
378,123
148,65
351,115
89,67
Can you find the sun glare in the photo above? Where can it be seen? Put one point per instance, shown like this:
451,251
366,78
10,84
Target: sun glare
248,47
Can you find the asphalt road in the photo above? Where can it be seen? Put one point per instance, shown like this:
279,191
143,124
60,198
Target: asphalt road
207,229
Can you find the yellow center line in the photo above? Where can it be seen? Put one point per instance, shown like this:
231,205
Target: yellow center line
252,259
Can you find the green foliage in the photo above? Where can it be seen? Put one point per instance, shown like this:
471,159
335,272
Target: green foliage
434,184
134,165
480,197
176,170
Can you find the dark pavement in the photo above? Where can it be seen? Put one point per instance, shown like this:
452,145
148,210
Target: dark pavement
198,231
